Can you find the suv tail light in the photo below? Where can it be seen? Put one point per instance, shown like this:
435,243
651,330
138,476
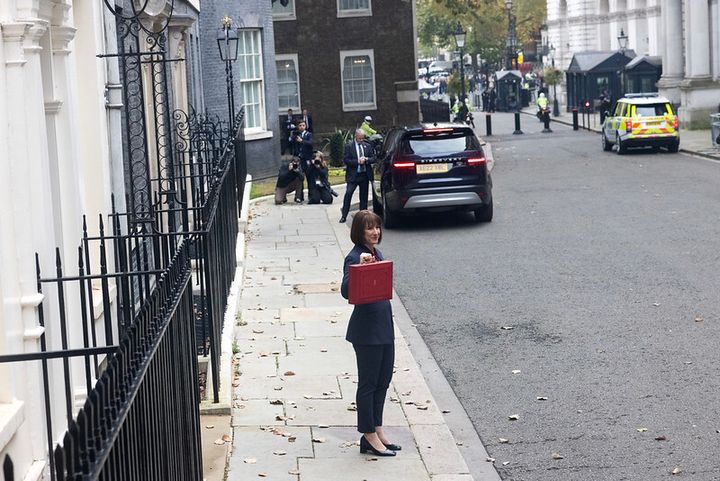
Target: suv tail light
476,161
404,164
628,125
676,121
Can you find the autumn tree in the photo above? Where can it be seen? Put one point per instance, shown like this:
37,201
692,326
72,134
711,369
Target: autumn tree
485,21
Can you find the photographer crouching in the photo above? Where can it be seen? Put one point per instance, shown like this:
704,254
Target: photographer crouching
319,189
290,179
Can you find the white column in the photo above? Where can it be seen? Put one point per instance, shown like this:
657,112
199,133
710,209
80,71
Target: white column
26,185
698,39
673,64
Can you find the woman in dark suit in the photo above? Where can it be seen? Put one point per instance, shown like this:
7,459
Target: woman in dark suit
370,331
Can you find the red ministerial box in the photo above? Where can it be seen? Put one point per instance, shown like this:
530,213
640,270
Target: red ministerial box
370,282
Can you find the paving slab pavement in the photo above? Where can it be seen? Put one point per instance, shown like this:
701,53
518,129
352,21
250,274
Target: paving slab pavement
293,412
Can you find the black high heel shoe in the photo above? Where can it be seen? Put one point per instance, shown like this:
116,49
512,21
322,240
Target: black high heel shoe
366,447
393,447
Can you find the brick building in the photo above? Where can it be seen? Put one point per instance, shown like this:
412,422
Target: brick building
253,74
344,59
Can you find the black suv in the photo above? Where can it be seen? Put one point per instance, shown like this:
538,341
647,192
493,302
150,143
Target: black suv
431,167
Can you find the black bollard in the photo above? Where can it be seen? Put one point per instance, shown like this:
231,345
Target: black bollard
575,118
488,124
517,124
546,121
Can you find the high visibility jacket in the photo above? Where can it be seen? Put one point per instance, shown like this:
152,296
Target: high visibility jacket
367,129
542,102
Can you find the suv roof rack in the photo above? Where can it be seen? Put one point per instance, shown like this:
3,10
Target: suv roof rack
642,94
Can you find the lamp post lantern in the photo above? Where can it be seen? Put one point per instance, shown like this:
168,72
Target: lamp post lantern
556,106
228,42
622,41
460,41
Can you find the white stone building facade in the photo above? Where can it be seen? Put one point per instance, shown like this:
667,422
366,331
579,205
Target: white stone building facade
61,156
684,32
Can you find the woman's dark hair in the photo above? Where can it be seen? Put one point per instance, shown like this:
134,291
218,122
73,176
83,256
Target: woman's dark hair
362,221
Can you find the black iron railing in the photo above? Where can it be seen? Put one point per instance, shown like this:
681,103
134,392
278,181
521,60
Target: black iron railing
138,295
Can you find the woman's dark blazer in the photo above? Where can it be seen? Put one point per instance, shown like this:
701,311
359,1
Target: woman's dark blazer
369,323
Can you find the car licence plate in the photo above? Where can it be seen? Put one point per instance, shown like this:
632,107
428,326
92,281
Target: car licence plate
431,168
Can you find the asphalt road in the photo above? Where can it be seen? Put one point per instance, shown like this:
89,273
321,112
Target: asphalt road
605,267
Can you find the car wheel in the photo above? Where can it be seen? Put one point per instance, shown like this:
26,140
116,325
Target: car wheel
389,217
673,147
607,146
484,213
621,149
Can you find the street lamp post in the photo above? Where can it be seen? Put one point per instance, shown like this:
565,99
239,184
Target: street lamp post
556,106
511,42
460,41
622,42
227,40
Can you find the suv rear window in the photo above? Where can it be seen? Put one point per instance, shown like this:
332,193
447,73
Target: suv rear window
429,145
652,110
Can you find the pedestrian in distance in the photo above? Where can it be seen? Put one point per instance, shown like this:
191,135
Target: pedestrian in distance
307,118
358,159
319,189
367,128
304,148
288,126
371,333
290,179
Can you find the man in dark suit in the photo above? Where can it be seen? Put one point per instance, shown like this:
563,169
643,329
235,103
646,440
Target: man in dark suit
288,125
358,160
304,149
307,118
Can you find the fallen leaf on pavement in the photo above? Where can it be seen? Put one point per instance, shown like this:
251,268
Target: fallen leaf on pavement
276,402
503,440
258,331
699,319
289,373
490,460
323,350
250,460
514,417
226,438
557,456
507,328
656,304
294,472
422,408
677,470
516,371
505,463
541,398
209,426
641,430
446,411
262,475
318,440
279,452
661,438
219,441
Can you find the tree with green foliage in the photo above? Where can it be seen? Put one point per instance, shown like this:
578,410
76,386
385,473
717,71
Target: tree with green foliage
485,21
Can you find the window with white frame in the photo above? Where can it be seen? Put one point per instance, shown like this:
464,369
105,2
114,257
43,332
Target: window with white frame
283,12
354,8
288,82
357,71
250,66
